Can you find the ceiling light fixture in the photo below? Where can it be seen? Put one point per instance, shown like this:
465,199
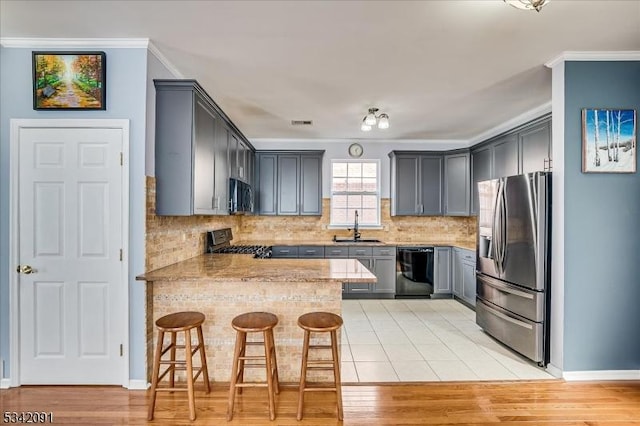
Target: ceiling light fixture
528,4
371,119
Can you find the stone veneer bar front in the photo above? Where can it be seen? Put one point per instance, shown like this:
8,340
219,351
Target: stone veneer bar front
222,286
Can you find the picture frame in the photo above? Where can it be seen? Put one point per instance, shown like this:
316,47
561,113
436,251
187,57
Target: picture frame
74,80
609,142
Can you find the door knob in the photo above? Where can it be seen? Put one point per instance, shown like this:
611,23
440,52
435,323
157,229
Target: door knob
24,269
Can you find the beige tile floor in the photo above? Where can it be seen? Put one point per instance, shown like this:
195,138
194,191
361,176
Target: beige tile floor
423,340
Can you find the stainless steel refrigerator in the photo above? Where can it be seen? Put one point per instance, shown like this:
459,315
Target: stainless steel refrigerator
513,267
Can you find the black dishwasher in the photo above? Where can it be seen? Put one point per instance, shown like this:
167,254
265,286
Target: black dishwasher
414,272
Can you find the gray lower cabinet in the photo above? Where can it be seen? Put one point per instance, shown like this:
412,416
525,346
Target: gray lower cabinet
456,184
289,183
442,271
463,275
284,251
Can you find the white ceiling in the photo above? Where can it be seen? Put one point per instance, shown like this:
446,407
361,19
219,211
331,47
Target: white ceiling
443,69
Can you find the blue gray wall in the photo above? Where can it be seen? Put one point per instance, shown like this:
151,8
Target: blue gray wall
602,231
126,99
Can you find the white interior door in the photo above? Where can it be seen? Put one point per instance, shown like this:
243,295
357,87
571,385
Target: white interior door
71,289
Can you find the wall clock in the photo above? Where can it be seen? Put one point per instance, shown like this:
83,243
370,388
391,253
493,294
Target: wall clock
355,150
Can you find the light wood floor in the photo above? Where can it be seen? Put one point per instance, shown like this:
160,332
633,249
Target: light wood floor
552,402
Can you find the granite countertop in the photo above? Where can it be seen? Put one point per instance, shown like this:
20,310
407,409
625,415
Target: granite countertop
244,267
299,242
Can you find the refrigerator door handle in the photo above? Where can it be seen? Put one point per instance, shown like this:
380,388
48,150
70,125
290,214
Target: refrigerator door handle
494,230
503,225
503,288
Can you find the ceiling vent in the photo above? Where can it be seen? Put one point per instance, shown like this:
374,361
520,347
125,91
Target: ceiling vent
302,122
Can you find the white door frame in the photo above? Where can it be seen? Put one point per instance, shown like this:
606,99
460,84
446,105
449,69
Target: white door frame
14,294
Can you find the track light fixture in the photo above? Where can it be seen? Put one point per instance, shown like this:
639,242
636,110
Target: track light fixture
371,119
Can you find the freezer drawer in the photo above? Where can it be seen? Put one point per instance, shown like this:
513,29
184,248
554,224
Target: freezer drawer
521,335
524,302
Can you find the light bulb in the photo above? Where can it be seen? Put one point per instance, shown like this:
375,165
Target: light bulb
383,121
370,119
364,126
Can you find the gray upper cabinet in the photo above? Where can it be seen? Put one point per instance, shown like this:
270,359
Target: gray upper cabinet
481,169
456,184
535,148
505,156
195,142
239,158
187,151
416,184
289,183
288,189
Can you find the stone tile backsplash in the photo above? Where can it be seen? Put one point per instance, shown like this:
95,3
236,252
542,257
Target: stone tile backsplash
171,239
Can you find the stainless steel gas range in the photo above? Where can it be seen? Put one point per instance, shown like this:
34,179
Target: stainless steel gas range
219,241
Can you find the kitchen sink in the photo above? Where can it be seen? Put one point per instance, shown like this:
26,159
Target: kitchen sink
359,240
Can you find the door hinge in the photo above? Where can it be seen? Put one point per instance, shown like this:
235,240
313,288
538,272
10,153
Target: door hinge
120,255
121,349
121,159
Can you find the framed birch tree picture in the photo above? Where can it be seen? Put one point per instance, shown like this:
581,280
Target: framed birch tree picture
608,140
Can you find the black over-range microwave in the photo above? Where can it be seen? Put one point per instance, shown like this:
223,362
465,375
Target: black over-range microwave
240,197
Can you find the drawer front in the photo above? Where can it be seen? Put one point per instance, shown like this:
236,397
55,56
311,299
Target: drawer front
468,255
284,251
360,287
526,303
358,251
520,334
331,252
311,251
384,251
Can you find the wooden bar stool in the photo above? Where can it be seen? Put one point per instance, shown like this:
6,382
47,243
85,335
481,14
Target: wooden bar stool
254,322
176,323
320,322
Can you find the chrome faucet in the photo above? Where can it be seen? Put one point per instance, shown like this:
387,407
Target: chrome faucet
356,234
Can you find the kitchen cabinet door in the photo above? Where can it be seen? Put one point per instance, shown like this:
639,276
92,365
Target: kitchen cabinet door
456,272
505,157
535,147
288,188
384,268
442,271
431,185
405,185
469,282
481,170
203,158
456,184
311,185
221,172
266,191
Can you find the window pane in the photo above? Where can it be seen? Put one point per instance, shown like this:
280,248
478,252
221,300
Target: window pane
339,202
355,169
339,184
355,201
339,216
354,184
370,201
368,217
339,169
369,185
369,169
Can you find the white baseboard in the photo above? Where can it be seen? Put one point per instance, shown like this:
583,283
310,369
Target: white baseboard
554,371
138,385
5,383
571,376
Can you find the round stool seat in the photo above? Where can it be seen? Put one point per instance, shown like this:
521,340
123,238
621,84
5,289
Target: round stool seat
180,321
254,321
320,321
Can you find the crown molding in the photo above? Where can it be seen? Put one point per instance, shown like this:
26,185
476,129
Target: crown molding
622,55
59,43
164,61
532,114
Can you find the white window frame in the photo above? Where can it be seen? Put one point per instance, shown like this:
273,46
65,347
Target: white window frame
378,194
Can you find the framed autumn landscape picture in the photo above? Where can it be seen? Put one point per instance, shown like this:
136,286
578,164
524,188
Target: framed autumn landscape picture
69,80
